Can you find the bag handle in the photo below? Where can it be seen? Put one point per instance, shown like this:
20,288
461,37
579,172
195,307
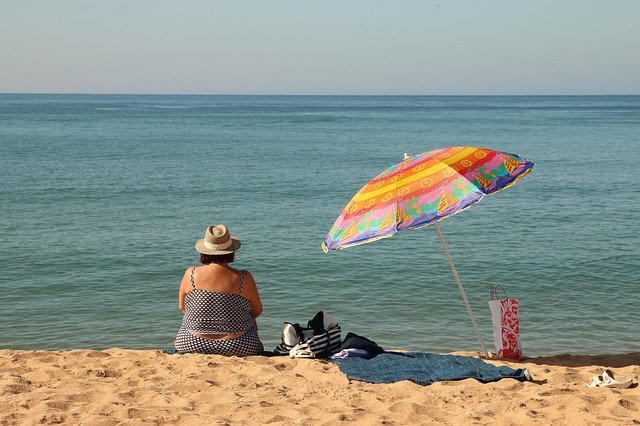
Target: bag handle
493,291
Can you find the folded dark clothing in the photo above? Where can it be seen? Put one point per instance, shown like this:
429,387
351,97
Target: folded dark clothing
355,341
424,368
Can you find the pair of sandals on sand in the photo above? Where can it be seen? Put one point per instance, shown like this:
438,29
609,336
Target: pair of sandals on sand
607,380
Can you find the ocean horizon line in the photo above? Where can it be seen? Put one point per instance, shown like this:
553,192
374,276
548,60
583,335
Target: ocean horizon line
328,95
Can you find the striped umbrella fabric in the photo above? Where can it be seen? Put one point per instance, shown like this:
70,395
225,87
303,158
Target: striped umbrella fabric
422,190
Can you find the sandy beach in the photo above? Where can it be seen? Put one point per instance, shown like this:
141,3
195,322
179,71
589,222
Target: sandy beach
118,386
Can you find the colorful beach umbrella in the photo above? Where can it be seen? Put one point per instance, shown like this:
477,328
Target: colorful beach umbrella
422,190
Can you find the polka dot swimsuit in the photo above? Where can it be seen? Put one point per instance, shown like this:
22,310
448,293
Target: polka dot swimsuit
210,312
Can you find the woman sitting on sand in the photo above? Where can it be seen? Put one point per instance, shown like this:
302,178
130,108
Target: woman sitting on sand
220,304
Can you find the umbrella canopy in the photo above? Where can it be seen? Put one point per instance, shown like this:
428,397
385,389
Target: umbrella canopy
422,190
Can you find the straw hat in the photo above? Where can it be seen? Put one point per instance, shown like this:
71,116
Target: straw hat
217,240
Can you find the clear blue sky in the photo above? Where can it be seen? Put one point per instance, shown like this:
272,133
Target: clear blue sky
321,47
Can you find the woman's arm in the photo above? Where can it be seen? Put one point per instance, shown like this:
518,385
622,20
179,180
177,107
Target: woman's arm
184,286
251,293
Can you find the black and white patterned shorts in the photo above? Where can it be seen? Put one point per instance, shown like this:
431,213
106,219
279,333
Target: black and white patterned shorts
247,344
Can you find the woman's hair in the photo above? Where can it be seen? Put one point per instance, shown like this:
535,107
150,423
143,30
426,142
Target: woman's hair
206,259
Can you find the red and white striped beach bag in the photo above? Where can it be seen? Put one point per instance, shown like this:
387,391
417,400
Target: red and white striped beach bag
505,321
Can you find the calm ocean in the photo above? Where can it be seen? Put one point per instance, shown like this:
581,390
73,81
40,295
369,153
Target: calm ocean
103,197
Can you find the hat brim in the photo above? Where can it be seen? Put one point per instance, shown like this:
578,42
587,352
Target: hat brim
235,245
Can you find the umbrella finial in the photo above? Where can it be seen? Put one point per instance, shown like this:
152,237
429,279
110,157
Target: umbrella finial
406,156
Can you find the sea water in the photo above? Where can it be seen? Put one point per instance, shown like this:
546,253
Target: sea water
102,198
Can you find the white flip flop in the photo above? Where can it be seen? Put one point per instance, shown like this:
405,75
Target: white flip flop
607,380
594,382
611,382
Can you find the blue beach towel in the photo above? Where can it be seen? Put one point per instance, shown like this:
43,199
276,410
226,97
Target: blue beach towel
424,368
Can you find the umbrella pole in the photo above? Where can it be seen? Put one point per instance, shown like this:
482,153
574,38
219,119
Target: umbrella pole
462,292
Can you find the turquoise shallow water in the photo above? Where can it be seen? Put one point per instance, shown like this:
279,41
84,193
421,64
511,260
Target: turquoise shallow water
102,198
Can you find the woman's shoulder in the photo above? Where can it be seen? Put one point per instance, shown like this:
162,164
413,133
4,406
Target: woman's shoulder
237,271
245,272
190,269
188,272
248,279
